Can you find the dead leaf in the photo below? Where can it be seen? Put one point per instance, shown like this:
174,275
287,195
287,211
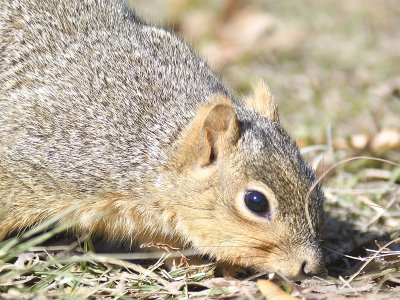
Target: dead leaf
272,292
388,88
240,34
387,139
25,258
371,174
20,280
338,290
340,143
359,141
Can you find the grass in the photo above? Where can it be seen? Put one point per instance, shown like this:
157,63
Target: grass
75,272
333,66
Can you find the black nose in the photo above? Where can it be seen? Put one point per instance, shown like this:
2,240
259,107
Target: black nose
313,268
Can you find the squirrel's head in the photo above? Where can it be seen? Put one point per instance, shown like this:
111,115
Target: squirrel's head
246,196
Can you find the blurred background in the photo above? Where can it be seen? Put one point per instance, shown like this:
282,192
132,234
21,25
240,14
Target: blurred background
333,66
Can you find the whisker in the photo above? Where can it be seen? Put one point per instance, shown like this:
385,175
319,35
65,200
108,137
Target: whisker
327,172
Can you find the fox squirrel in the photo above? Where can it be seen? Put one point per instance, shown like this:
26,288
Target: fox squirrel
122,120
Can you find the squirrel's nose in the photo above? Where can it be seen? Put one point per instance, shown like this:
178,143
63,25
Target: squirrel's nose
313,267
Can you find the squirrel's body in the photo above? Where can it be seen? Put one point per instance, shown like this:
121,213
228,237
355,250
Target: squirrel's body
123,121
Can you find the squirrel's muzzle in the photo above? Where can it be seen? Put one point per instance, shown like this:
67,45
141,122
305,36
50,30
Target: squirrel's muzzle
307,261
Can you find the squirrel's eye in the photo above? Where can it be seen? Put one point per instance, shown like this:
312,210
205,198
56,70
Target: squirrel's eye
257,202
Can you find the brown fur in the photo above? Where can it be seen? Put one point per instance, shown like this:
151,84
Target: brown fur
263,102
119,128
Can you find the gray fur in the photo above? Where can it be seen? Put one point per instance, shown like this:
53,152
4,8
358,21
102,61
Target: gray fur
94,101
94,93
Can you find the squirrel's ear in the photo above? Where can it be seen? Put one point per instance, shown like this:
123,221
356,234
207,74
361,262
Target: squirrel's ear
220,128
263,102
214,129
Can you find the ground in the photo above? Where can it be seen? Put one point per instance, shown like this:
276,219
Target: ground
334,68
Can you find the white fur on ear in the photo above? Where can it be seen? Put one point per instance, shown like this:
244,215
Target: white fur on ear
263,102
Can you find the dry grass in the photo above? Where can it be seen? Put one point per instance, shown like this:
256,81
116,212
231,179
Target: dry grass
334,68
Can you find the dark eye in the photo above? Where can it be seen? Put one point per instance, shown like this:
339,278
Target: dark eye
257,202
